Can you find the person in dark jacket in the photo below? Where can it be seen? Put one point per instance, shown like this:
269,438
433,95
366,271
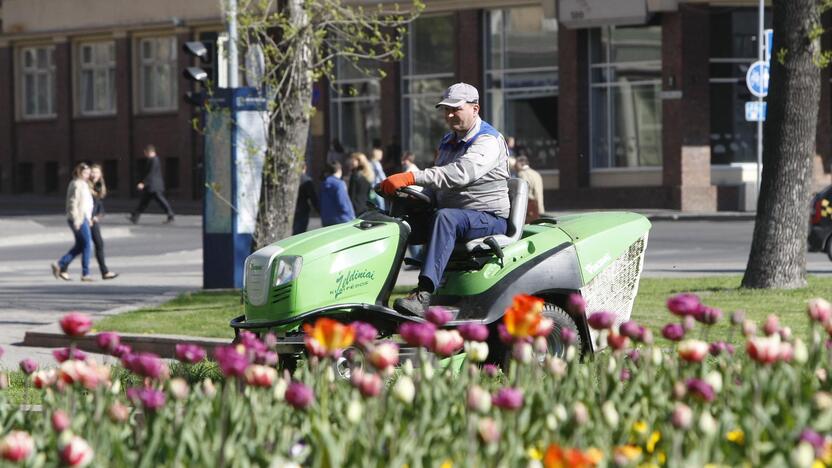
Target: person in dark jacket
307,199
99,191
360,181
152,187
335,205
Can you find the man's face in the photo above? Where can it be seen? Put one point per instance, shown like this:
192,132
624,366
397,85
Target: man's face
460,119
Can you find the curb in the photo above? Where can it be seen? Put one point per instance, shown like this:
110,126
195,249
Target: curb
750,216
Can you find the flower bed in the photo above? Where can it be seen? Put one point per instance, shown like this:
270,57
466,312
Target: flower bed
766,403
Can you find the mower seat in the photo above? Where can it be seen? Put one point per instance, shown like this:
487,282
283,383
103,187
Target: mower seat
518,195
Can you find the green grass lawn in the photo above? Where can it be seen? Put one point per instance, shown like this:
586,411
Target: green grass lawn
208,313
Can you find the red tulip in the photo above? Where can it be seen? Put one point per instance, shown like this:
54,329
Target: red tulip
693,350
75,451
76,324
17,446
384,355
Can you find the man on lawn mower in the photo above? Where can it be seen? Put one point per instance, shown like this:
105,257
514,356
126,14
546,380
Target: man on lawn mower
470,184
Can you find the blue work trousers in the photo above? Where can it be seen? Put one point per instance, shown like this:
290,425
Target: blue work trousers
452,225
83,246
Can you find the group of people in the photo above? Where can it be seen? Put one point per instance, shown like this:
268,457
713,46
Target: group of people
85,211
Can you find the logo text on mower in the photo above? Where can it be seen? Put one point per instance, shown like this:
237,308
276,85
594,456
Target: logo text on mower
350,280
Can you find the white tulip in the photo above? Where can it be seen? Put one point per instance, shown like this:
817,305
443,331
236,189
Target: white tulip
404,389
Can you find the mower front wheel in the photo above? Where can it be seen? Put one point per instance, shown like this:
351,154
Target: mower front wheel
556,346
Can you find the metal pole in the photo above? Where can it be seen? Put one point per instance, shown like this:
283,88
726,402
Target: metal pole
760,57
233,81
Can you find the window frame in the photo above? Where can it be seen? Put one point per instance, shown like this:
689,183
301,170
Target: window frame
81,67
338,99
141,62
51,87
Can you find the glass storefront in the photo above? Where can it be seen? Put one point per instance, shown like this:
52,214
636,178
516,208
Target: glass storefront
521,81
427,69
625,101
356,107
733,49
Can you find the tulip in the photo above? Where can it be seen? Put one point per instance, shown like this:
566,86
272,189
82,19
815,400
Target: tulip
438,315
370,385
232,360
488,430
365,334
601,320
328,336
624,455
576,304
544,328
634,355
89,374
108,341
568,336
299,395
418,334
708,315
28,366
580,413
803,456
63,354
771,325
508,398
354,411
523,317
477,351
625,375
814,439
617,342
75,451
179,388
700,389
478,399
682,416
749,328
17,446
693,350
121,351
473,331
610,414
714,379
44,378
384,355
522,352
75,324
684,304
189,353
540,345
818,309
688,323
673,332
506,337
717,347
765,350
150,398
118,413
785,334
60,421
738,317
146,365
447,342
822,400
491,370
257,375
801,352
631,330
404,390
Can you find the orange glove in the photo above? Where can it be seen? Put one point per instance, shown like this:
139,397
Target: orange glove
397,181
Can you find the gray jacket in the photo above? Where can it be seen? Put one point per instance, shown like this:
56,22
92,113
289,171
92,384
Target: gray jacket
471,173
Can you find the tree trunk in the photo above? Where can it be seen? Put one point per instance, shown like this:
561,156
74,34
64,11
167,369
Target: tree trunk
778,248
287,143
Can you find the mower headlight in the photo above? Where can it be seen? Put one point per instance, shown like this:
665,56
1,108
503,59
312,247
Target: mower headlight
287,269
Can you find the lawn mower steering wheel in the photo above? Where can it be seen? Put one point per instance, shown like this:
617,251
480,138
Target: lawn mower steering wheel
413,193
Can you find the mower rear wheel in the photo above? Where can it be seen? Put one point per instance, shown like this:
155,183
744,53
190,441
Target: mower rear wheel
562,320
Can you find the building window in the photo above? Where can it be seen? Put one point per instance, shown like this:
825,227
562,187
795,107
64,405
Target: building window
25,178
110,170
733,50
51,181
625,101
157,74
38,81
521,81
355,106
97,78
427,70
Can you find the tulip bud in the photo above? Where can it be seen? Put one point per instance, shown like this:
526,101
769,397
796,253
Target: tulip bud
17,446
819,310
571,353
354,411
560,413
179,388
477,351
610,414
118,413
488,430
279,391
707,423
208,388
540,345
647,337
551,422
738,317
656,356
688,323
370,385
786,334
821,374
75,451
822,401
427,370
803,456
478,399
714,379
679,390
556,366
749,328
404,389
407,368
771,325
612,366
580,413
801,352
522,352
60,421
682,416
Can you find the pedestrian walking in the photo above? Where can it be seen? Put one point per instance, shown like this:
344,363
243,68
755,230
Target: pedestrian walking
152,187
99,190
360,182
535,206
307,199
376,156
335,203
79,206
408,162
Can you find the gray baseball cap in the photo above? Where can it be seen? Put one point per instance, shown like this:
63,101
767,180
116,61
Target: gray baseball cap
458,94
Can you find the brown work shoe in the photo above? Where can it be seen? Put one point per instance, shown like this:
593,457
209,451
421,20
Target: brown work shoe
416,303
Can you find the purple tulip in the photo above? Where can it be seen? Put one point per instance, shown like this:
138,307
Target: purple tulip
299,395
508,398
634,355
438,315
601,320
65,354
504,335
150,398
145,365
270,340
189,353
684,304
625,374
28,366
673,332
365,334
232,363
812,438
267,358
473,331
576,304
708,315
700,389
418,334
631,330
121,351
491,370
717,347
108,341
568,335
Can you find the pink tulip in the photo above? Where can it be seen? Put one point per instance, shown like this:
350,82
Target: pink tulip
260,376
749,328
438,315
28,366
576,304
76,324
765,350
473,331
688,322
545,327
232,360
818,309
508,398
625,374
521,351
108,341
771,325
418,334
121,351
190,353
365,334
568,335
700,389
60,421
145,365
179,388
118,413
682,416
447,342
683,304
817,441
718,347
88,374
370,385
488,430
150,398
75,451
44,378
601,320
478,399
64,354
490,370
631,330
17,446
384,355
693,350
673,332
299,395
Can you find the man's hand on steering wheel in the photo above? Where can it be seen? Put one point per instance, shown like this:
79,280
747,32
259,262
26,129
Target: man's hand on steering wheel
397,181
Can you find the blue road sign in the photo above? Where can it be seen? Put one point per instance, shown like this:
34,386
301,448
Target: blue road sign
757,78
768,38
755,111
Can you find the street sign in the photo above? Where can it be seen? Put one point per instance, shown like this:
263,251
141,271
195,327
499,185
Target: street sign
753,111
757,78
768,38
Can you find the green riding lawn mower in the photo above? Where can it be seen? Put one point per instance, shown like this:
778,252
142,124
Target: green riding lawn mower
348,272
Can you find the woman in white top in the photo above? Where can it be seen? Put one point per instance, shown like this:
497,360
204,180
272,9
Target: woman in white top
79,205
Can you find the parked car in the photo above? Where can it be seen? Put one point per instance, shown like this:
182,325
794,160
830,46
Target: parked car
820,224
